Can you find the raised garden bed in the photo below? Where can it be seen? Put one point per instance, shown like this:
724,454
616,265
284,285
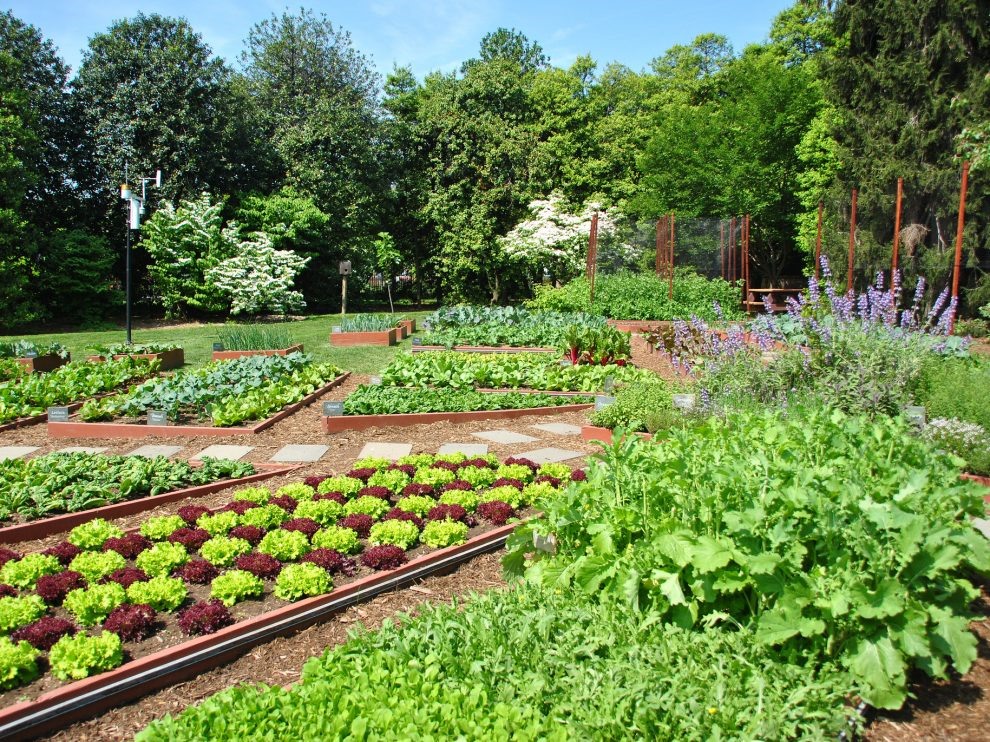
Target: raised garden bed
484,349
168,359
408,327
384,337
230,355
47,362
605,435
78,429
336,424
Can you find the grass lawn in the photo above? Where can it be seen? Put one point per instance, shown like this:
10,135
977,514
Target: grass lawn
197,341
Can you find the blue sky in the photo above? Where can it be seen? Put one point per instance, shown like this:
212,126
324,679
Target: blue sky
436,34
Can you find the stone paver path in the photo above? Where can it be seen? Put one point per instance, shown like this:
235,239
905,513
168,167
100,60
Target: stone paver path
468,449
559,428
390,451
218,451
15,452
504,436
295,452
151,450
549,455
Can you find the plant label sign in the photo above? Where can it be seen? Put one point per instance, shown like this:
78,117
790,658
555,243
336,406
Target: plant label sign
157,417
58,414
915,415
545,543
602,401
565,363
376,381
684,401
336,328
333,409
31,353
217,346
417,341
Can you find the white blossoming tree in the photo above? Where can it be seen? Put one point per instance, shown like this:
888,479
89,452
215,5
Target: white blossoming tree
257,277
554,239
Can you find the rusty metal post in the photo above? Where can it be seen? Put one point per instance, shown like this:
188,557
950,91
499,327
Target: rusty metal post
592,259
852,243
818,239
670,258
732,249
746,258
897,228
957,265
658,247
721,247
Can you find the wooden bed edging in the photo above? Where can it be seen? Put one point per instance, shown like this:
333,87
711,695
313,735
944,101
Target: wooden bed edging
76,429
605,435
384,337
47,362
44,527
340,423
231,355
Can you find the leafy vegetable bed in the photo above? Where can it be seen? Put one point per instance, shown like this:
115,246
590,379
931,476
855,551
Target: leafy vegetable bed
495,326
88,599
380,400
225,393
518,371
74,482
31,396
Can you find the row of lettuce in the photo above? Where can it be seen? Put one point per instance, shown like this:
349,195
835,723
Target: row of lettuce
82,600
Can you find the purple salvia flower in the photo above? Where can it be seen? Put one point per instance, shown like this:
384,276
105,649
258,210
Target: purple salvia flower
767,304
826,270
937,308
814,292
717,308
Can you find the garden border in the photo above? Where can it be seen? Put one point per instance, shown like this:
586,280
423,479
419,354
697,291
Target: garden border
44,527
76,429
91,696
47,362
169,359
340,423
347,339
231,355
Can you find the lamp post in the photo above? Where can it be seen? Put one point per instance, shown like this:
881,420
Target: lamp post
136,209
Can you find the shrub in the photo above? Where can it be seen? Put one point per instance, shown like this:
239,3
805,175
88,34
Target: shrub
236,585
447,512
393,480
347,486
64,551
339,538
251,534
467,500
324,512
219,524
197,572
79,656
286,546
221,551
131,623
383,557
54,588
632,407
305,526
94,566
161,593
400,533
18,663
416,504
128,546
190,538
266,516
496,512
24,573
18,612
301,581
127,576
161,527
440,533
372,506
191,513
92,605
206,617
330,560
264,566
43,633
259,495
297,491
92,534
359,523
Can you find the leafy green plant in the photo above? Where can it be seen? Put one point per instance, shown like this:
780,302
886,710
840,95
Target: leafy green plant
25,348
161,593
367,505
395,480
18,663
160,527
368,322
467,500
515,471
91,534
296,490
381,400
401,533
24,572
434,476
286,546
346,486
19,611
303,580
955,388
324,512
117,349
417,504
508,494
219,524
93,604
337,538
494,326
968,441
221,551
95,565
260,495
79,656
441,533
634,404
161,559
255,337
267,516
236,585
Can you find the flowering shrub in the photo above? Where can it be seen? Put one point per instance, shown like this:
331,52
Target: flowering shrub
131,622
383,557
236,585
25,572
64,551
207,617
400,533
94,566
221,551
496,512
128,546
161,527
43,633
301,581
92,534
260,565
92,605
330,560
17,612
441,533
18,663
197,572
54,588
358,522
162,558
373,506
190,538
79,656
968,441
127,576
417,504
324,512
305,526
286,546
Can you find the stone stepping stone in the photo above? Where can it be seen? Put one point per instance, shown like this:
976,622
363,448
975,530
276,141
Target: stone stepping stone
559,428
83,449
504,436
151,450
296,452
468,449
219,451
549,455
982,525
390,451
15,452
